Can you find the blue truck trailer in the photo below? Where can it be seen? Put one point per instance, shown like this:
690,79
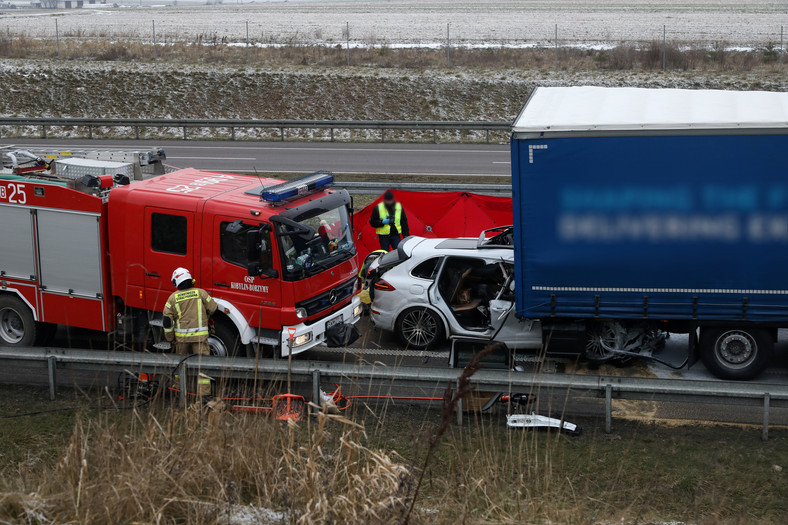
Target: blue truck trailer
646,210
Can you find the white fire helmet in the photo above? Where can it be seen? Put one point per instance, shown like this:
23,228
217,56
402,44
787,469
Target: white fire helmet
180,275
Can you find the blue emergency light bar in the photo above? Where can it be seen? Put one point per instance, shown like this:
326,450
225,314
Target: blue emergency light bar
298,187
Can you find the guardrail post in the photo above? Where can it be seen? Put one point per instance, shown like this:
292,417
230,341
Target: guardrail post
459,406
766,400
332,134
316,387
184,132
51,366
232,133
488,136
282,134
383,134
434,136
43,131
608,408
90,132
182,383
137,132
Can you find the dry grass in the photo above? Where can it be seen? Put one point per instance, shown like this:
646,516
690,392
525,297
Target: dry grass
166,465
211,50
186,467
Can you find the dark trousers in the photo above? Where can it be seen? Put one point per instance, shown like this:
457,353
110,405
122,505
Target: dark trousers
390,241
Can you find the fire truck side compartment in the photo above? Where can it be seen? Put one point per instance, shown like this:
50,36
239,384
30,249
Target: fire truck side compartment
17,258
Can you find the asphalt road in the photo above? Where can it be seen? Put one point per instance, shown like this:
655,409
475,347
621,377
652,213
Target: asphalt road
474,161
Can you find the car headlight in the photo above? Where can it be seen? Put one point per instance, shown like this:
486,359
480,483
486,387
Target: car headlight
357,311
302,339
301,313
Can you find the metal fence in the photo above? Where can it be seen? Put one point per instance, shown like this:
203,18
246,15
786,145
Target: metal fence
135,125
752,394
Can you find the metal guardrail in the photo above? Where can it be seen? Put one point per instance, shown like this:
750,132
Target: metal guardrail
376,188
609,388
281,125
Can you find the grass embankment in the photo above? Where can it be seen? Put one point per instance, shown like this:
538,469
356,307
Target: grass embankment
48,88
164,465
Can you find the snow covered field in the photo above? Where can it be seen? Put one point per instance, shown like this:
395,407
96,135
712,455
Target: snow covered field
422,23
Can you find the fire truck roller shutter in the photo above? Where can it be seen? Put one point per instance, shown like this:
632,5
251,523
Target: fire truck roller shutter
70,253
17,258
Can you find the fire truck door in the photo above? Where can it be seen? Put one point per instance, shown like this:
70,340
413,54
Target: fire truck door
231,279
169,244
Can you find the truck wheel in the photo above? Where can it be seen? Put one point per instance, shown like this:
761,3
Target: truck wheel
17,326
419,328
733,353
225,341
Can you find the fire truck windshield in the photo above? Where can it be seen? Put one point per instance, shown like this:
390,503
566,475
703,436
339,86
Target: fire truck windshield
313,242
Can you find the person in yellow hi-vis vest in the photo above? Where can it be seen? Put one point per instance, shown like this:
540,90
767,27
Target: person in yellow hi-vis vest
185,321
390,222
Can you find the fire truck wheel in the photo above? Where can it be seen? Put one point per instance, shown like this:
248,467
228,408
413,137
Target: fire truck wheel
17,326
225,341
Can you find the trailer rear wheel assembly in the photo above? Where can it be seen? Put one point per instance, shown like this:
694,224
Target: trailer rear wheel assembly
735,353
17,325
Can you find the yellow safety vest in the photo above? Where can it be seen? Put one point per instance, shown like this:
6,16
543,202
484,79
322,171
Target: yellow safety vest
189,310
383,212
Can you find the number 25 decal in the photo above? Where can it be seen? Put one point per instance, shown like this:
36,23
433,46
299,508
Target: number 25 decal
15,192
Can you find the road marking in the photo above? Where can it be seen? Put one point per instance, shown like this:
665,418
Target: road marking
502,162
214,158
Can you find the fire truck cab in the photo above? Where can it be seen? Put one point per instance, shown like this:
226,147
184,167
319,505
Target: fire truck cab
278,257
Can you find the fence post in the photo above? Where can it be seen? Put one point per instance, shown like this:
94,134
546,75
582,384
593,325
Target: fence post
51,366
154,39
555,46
347,41
664,45
608,408
57,38
448,46
766,400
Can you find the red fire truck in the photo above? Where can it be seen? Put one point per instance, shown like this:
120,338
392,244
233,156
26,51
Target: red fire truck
97,252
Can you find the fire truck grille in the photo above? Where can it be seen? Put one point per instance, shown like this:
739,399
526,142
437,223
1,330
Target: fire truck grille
328,299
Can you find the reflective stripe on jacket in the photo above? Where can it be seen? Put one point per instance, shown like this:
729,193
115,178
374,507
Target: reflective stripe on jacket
189,311
383,212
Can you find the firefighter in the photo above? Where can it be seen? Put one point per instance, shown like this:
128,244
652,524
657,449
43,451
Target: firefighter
185,321
390,222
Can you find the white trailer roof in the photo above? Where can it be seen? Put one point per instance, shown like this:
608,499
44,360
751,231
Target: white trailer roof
573,109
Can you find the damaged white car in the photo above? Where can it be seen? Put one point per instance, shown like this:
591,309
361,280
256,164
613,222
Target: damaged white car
432,289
